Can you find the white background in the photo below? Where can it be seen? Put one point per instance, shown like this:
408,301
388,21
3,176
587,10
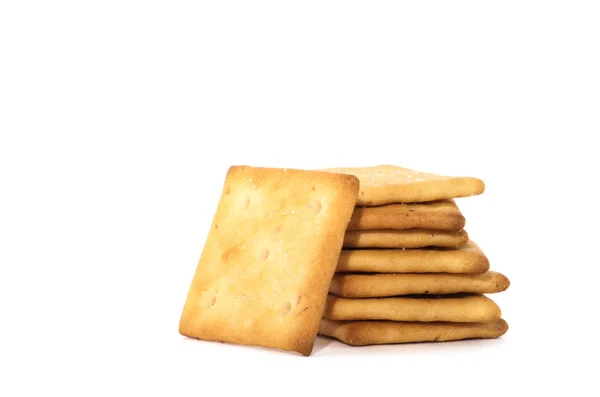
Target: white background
118,120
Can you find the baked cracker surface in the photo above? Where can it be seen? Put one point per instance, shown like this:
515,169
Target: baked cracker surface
263,275
386,184
459,309
466,259
406,238
442,215
362,333
382,284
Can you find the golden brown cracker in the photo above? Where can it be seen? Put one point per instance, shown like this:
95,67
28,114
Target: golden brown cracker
466,259
386,184
409,238
442,215
265,269
382,285
361,333
463,309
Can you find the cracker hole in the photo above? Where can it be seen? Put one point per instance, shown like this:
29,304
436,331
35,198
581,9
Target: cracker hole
216,226
229,254
277,229
286,309
227,191
313,188
264,255
246,202
212,301
298,299
315,206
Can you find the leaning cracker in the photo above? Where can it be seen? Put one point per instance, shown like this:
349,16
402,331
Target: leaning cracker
409,238
382,285
464,309
386,184
443,215
361,333
467,259
263,275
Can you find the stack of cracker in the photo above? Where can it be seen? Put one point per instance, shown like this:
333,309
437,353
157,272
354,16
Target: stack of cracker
265,274
408,271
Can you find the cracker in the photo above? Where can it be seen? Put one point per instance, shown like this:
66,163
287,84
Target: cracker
466,259
265,269
408,238
443,215
361,333
463,309
386,184
382,285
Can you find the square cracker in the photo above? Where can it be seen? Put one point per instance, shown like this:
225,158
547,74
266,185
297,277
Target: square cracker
443,215
362,333
456,309
467,259
407,238
265,269
386,184
382,285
